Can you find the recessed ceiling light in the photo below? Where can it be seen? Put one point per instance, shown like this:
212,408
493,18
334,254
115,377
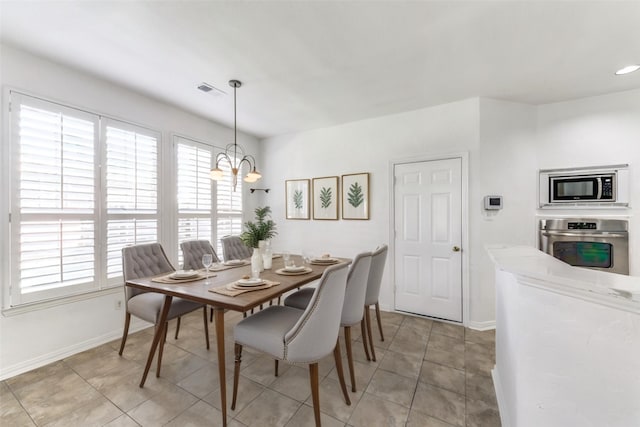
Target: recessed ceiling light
628,69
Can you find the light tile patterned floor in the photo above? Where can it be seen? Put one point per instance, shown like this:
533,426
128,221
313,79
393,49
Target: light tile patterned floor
427,373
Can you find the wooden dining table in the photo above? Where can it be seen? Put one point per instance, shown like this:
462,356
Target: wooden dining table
199,291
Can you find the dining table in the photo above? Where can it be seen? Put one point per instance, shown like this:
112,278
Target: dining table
206,290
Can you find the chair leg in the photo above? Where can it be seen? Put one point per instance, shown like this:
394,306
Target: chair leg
347,343
236,375
206,325
368,317
177,328
160,350
363,334
315,391
211,315
338,358
127,320
379,321
276,367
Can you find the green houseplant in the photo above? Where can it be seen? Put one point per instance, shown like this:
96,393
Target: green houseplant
263,229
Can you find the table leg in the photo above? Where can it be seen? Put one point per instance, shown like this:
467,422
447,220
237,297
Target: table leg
219,322
160,328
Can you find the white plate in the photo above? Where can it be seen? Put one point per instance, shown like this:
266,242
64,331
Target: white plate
234,262
250,282
294,269
184,274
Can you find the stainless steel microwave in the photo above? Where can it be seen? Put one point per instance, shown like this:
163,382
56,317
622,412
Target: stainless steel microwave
605,186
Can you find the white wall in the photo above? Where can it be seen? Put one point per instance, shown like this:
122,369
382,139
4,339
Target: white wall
507,144
363,146
506,167
601,130
32,338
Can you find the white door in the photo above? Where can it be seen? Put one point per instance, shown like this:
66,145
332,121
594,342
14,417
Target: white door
428,236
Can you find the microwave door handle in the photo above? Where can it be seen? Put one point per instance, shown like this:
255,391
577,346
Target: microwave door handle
595,235
599,182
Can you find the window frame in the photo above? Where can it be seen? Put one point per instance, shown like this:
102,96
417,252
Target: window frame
12,296
215,213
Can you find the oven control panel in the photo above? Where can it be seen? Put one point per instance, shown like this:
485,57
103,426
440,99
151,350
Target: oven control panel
582,226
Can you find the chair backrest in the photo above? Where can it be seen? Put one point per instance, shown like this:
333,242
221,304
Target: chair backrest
378,259
314,335
353,307
192,251
143,261
234,248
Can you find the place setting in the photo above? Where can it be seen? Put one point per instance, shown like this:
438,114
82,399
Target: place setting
180,276
232,263
245,284
290,268
325,259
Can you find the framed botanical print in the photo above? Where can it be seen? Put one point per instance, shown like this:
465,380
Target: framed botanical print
325,198
355,196
297,198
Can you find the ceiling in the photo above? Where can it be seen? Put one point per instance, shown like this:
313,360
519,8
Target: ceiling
312,64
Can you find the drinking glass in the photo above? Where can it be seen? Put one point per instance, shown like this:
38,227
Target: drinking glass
207,260
255,271
307,257
286,256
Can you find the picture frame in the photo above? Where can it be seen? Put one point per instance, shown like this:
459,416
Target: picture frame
297,198
355,196
325,198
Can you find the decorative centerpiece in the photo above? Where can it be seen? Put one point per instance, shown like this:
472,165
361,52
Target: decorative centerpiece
260,231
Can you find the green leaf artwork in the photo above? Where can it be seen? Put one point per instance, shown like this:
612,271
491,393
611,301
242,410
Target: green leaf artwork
325,197
355,196
297,199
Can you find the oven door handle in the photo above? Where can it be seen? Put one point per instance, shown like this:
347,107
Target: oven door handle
598,235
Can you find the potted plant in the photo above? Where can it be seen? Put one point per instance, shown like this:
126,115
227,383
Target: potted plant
262,229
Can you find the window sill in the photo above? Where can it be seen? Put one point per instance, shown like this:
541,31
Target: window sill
43,305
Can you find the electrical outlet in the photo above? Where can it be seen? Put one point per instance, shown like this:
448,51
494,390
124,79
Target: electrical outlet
118,305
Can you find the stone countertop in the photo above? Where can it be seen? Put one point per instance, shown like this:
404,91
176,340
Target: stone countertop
542,270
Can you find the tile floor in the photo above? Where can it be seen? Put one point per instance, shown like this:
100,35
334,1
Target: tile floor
427,373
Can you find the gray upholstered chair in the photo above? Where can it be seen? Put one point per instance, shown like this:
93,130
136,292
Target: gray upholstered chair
299,336
144,261
233,248
353,308
378,259
192,251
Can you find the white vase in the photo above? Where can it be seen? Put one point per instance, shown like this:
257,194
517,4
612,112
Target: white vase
256,262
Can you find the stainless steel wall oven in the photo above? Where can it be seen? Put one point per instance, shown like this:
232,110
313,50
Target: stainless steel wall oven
600,244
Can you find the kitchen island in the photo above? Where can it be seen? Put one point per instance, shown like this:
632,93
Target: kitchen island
567,342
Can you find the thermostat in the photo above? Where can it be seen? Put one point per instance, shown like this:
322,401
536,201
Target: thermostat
492,203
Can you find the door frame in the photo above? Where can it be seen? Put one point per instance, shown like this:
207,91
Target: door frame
464,158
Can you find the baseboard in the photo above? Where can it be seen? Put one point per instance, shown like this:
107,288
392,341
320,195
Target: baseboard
502,405
482,326
54,356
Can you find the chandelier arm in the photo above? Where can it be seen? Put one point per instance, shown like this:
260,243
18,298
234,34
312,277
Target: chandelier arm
221,156
246,159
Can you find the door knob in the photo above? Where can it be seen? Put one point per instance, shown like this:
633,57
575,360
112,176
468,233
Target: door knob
456,249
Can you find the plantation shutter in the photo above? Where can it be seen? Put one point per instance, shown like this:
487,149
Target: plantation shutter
54,205
229,205
131,181
194,186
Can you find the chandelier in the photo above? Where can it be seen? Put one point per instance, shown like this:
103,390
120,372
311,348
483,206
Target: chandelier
232,152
